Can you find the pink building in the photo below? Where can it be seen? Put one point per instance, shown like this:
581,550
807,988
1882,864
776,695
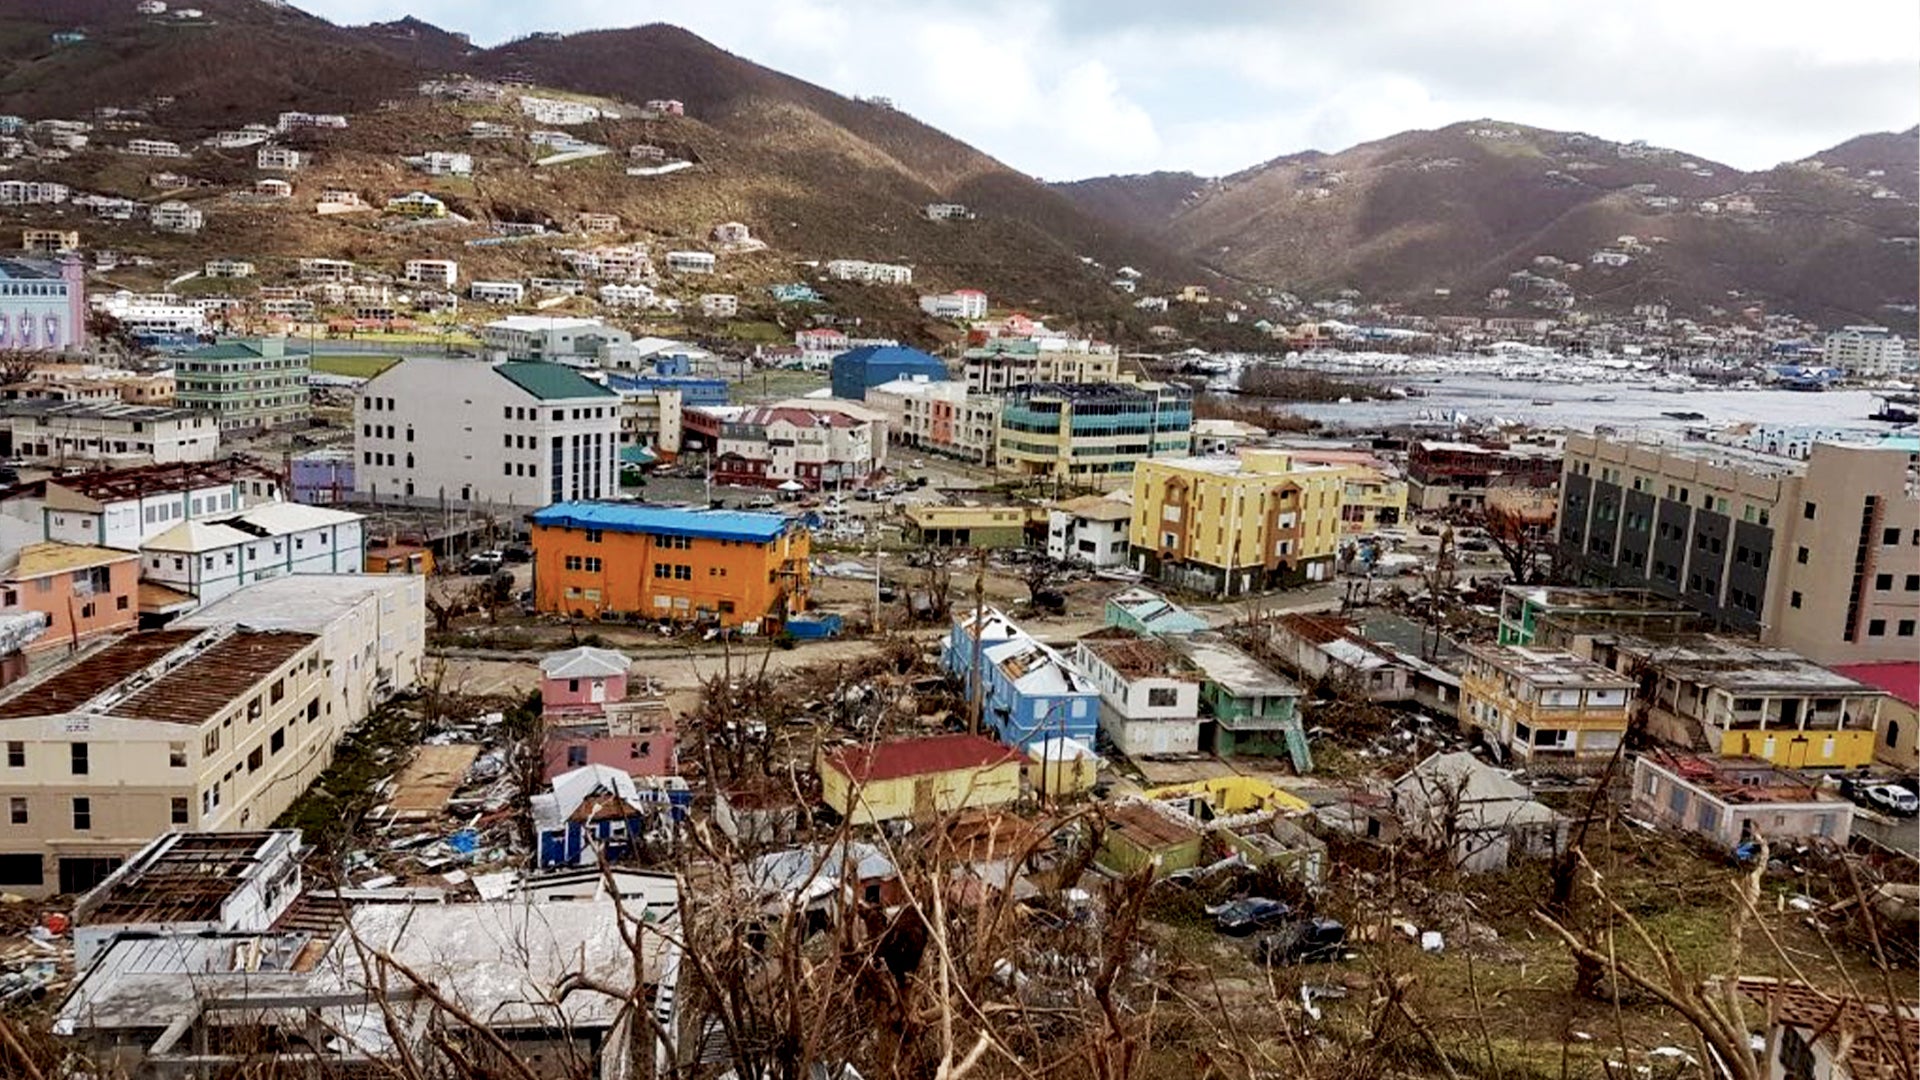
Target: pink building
589,721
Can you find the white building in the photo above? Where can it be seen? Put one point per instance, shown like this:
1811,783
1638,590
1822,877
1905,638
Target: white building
278,159
29,192
124,508
958,304
1866,350
211,558
148,313
816,448
518,434
496,292
176,217
46,432
325,269
869,273
560,339
154,148
273,189
944,417
719,305
691,262
443,163
626,295
947,212
1090,530
441,272
557,111
1149,694
228,268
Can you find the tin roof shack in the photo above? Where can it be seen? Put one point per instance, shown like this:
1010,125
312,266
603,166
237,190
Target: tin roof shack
1737,700
1475,813
599,813
1147,612
1813,1035
1555,617
1254,711
1149,694
344,1003
1141,834
1732,800
1332,649
918,778
820,878
1544,709
191,883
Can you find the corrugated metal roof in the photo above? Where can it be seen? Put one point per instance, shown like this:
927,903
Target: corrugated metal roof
663,521
550,382
920,757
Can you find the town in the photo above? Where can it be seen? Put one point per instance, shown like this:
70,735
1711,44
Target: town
435,643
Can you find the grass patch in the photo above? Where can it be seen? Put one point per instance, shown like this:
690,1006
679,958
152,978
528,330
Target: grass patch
761,332
773,385
353,365
329,812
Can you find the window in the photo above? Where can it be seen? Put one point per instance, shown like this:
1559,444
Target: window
78,753
256,759
1890,537
1904,628
593,536
1162,697
17,810
82,813
1808,511
682,572
1876,628
593,564
1794,600
180,810
277,691
16,755
1893,733
1801,556
1913,583
576,756
177,755
277,741
1882,582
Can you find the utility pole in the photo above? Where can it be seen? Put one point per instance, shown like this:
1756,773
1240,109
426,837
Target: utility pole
978,703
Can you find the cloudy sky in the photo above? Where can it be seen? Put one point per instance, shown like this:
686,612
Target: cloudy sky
1072,88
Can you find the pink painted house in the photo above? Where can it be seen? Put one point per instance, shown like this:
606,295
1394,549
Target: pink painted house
589,721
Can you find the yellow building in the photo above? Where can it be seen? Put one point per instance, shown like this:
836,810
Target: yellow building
1230,526
1545,708
49,241
971,526
1092,434
1370,499
919,778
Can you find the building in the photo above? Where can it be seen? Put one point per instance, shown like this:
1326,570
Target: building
1004,363
515,434
947,212
780,445
1213,436
1896,740
1817,556
32,192
164,889
1146,612
84,591
1031,691
176,217
210,558
1456,475
1866,351
855,371
939,415
650,416
931,525
1090,434
213,729
1732,800
443,163
589,720
1142,834
1476,814
962,304
322,477
863,272
439,272
691,262
245,385
557,339
56,433
228,268
278,159
1149,695
153,148
49,241
43,303
1231,526
1091,529
1542,709
918,779
416,204
1253,711
719,305
1557,617
669,564
600,814
1726,697
1814,1035
496,292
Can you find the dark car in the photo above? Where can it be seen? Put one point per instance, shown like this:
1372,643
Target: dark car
1307,941
517,553
1243,917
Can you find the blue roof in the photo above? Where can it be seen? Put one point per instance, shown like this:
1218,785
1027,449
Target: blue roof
663,520
898,354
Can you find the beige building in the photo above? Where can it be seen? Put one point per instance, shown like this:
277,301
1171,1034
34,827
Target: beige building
1820,556
1544,709
1236,525
1002,365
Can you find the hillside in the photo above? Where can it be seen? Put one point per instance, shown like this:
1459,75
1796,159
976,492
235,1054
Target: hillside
817,175
1466,207
1887,157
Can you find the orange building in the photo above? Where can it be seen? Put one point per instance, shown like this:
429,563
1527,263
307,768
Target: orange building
660,562
83,591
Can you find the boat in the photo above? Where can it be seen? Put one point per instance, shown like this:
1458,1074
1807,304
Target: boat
1683,415
1892,411
1603,397
1542,401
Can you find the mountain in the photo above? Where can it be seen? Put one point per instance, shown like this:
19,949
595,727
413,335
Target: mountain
816,174
1439,219
1892,158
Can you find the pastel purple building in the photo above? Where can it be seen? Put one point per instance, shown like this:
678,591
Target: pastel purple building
323,477
43,304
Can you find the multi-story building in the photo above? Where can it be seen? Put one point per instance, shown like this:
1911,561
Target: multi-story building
84,591
245,385
43,304
1449,475
772,446
958,304
671,564
719,305
441,272
228,268
1031,692
941,416
49,432
29,192
855,371
496,292
1866,350
416,204
869,273
278,159
1004,363
443,163
1722,696
49,241
650,416
1091,529
153,148
124,508
1543,709
559,339
1236,525
518,434
1818,556
1558,617
209,559
1248,709
176,217
1149,696
1092,434
691,262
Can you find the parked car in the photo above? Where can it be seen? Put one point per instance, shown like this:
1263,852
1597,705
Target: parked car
1243,917
1890,798
517,553
1304,941
484,562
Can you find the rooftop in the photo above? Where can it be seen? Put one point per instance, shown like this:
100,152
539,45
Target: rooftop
1156,612
550,382
664,521
1901,678
95,410
546,323
1547,667
1036,667
584,661
1228,666
113,485
919,757
1879,1037
1134,656
1339,638
48,557
196,673
1078,392
1735,666
1562,598
1098,508
183,877
18,269
1147,827
306,602
1742,780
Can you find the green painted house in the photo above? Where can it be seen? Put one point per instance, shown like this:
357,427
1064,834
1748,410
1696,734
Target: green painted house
1255,712
245,385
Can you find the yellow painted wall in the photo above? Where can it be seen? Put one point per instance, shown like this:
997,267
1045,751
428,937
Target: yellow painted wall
1227,512
1235,795
1850,748
909,796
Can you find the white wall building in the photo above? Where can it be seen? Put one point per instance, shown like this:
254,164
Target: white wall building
124,508
443,163
691,262
719,305
212,558
520,434
151,313
869,273
176,217
1149,694
58,433
561,339
1866,350
958,304
441,272
1090,530
626,295
496,292
278,159
227,268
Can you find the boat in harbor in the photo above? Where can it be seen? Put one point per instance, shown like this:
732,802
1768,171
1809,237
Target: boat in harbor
1542,401
1681,414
